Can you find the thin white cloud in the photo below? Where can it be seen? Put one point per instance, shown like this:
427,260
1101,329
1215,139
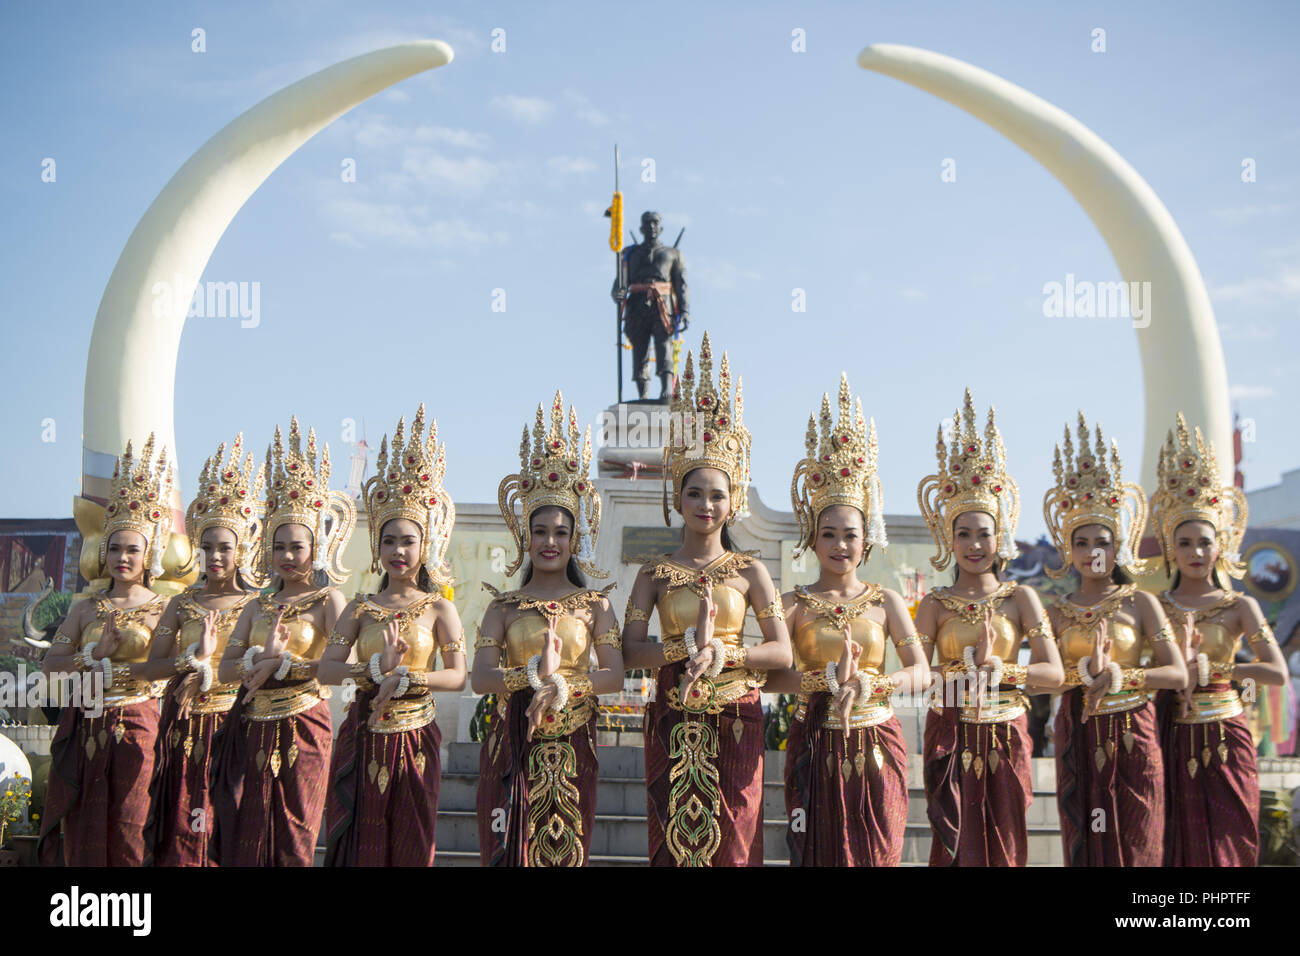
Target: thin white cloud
435,172
402,224
1236,215
529,110
570,165
346,239
724,275
1250,391
381,132
1259,290
584,109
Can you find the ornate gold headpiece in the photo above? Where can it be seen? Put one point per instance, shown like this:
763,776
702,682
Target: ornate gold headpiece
971,477
230,497
139,499
554,472
840,469
298,493
409,485
1189,489
1091,491
705,430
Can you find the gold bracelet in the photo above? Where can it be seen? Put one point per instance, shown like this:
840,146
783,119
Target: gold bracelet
634,613
1042,628
734,656
1133,678
417,678
611,638
516,679
185,663
579,687
300,670
773,610
811,682
338,640
360,675
1224,672
1014,673
1166,633
1263,636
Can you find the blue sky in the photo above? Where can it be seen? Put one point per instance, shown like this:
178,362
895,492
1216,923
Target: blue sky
788,170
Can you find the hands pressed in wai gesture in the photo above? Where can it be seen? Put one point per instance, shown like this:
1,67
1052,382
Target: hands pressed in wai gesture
549,664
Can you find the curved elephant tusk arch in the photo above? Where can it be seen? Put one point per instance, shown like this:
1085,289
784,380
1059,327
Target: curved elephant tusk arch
131,368
1182,358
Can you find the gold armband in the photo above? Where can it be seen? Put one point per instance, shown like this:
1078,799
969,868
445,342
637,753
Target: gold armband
1042,629
611,638
337,639
161,631
773,610
1133,678
634,613
912,640
1014,674
811,682
579,687
121,673
61,638
516,679
455,647
482,642
300,670
1166,633
1263,636
734,656
185,663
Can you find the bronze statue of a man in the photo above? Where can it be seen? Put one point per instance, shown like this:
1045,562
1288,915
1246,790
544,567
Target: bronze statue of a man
655,299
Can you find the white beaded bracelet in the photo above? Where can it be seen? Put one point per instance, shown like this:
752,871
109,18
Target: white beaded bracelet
107,664
88,654
995,676
1116,677
832,677
866,684
247,661
719,656
205,675
376,675
404,680
561,691
689,640
286,662
534,681
1202,669
1085,678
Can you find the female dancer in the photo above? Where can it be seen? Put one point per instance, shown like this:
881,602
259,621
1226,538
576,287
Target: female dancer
386,771
845,762
537,776
1211,777
977,749
270,767
1109,769
704,730
224,523
98,797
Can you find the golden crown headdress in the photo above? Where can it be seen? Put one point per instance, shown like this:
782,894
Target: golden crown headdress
409,485
139,499
971,477
840,469
230,497
554,472
1091,490
298,493
705,430
1189,489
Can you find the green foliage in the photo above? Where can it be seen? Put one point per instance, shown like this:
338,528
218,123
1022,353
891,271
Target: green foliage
52,610
776,722
484,714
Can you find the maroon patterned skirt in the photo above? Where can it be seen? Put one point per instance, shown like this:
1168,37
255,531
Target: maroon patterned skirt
383,801
843,809
704,780
977,818
181,817
98,793
536,801
265,818
1213,814
1128,789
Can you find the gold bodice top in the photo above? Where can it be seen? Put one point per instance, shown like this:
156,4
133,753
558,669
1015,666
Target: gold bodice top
1218,643
1075,638
526,634
190,614
306,642
819,637
135,634
374,620
679,604
966,627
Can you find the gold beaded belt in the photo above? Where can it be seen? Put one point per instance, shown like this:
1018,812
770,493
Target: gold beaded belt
127,692
711,694
405,713
867,714
1118,703
284,701
1211,706
575,716
999,706
216,700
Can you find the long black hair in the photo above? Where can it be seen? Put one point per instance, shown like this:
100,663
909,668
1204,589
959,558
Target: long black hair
571,569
